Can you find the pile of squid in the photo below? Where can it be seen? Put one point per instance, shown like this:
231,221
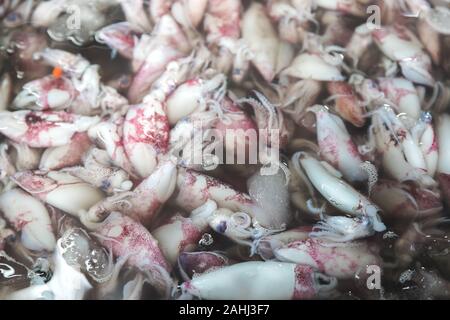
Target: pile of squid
101,104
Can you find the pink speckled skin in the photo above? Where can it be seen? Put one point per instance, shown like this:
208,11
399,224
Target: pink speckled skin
343,262
73,156
304,283
195,263
40,88
145,200
126,237
347,104
194,189
223,20
169,45
146,129
119,36
43,128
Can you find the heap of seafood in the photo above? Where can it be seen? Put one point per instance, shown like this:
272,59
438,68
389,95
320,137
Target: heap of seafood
102,104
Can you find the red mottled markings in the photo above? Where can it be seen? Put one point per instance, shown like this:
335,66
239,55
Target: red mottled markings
401,32
190,178
212,261
126,232
229,106
34,183
316,53
193,82
347,264
311,247
118,145
340,88
135,241
123,39
240,197
210,183
190,189
19,224
32,118
397,93
37,125
240,119
228,30
201,262
191,234
22,220
147,210
55,83
401,134
347,103
434,146
49,83
329,148
380,34
352,149
345,6
215,183
304,283
161,8
400,93
327,258
64,116
145,77
353,265
79,144
188,285
224,20
149,128
154,205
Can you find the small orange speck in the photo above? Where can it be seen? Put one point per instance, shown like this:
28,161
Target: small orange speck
57,72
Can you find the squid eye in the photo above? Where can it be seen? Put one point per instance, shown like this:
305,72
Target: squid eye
125,82
105,185
237,71
222,227
13,17
426,117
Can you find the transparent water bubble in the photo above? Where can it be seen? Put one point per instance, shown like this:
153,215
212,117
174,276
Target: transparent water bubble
41,272
81,252
75,246
97,264
406,276
206,240
390,235
426,117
